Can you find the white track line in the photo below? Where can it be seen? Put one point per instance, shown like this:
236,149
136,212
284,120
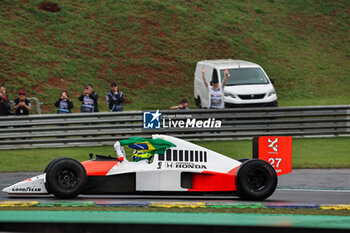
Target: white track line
314,190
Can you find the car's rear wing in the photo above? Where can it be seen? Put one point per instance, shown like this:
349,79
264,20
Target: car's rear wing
275,150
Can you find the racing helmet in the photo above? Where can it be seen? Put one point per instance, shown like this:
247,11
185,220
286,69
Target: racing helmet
138,155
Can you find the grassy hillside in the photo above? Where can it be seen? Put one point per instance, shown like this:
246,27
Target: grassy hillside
151,47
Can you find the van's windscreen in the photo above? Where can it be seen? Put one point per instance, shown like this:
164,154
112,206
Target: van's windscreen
245,76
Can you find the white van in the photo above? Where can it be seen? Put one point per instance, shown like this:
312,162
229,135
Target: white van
247,84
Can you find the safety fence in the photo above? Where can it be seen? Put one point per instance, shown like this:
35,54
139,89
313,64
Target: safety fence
93,129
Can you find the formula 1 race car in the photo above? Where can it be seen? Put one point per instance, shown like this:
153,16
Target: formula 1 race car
178,167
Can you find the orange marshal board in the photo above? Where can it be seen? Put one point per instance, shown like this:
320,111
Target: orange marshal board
275,150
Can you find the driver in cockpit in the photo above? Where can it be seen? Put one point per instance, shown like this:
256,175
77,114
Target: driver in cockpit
137,155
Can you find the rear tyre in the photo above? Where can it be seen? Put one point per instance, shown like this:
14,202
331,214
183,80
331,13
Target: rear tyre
243,160
65,178
256,180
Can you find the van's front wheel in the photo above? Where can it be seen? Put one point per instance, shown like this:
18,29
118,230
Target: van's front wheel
198,102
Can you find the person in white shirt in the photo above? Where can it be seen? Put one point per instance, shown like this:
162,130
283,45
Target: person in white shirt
216,91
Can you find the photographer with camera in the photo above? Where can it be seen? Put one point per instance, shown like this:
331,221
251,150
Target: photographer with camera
89,100
5,107
64,103
115,98
183,105
3,90
22,105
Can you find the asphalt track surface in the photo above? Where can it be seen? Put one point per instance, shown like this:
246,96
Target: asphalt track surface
312,186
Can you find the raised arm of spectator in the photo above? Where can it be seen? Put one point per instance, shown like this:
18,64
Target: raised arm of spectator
120,97
204,79
7,105
70,104
110,101
225,78
94,96
28,107
5,102
15,106
81,97
57,104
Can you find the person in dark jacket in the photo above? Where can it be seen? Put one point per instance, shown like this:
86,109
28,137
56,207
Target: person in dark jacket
115,99
183,105
22,105
64,103
89,100
5,107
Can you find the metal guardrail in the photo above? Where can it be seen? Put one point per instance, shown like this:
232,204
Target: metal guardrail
93,129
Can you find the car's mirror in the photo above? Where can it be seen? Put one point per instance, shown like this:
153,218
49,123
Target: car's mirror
272,80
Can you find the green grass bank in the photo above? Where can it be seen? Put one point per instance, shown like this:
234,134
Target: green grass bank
151,47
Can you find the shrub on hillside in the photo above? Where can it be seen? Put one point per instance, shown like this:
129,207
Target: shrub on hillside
49,6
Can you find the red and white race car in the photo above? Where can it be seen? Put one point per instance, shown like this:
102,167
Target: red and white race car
183,168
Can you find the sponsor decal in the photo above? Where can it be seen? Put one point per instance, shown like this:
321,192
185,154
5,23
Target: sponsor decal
273,144
275,162
151,120
277,151
184,165
26,189
191,123
157,120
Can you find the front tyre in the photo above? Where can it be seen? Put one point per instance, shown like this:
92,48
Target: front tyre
65,178
256,180
52,162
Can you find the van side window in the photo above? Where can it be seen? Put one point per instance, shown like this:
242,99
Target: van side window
215,75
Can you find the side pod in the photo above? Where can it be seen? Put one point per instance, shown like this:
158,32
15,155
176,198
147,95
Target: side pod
275,150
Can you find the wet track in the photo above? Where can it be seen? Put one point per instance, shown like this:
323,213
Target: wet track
313,186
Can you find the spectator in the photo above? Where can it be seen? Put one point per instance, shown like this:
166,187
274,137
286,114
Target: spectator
5,107
115,99
22,105
183,105
3,89
64,103
216,91
89,100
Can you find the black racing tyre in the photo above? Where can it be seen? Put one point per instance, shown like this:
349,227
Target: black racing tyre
65,178
243,160
52,162
47,168
255,180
